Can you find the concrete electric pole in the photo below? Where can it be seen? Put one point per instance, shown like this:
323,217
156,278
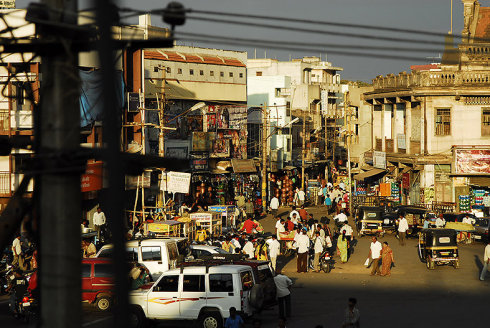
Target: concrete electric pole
265,119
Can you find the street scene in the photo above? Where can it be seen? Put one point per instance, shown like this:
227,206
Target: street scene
157,170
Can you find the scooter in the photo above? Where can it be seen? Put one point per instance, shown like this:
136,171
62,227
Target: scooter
325,261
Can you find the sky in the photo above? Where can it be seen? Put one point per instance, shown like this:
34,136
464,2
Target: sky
426,15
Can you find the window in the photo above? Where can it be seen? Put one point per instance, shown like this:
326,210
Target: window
231,74
278,92
168,70
443,122
132,254
220,283
103,270
191,72
258,73
222,74
485,121
247,280
151,253
86,270
193,283
241,75
201,72
169,284
155,69
288,108
179,70
211,73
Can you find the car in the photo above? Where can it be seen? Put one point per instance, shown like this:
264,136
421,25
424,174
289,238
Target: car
198,251
481,229
438,247
157,254
97,282
204,293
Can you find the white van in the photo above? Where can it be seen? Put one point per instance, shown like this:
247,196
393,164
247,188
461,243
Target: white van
195,293
158,255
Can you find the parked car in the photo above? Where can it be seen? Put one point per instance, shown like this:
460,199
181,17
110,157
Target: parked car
97,282
438,247
200,293
481,229
158,255
198,251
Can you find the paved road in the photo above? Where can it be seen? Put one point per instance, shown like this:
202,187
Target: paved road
412,297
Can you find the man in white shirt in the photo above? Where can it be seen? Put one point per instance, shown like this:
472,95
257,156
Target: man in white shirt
98,221
402,229
280,228
319,243
375,255
283,291
348,231
249,249
340,218
486,261
274,251
303,245
16,250
293,212
440,222
301,197
295,219
274,204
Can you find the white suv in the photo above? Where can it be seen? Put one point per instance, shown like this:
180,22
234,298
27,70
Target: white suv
196,293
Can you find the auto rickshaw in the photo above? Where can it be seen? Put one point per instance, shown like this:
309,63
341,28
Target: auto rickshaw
369,220
438,247
415,216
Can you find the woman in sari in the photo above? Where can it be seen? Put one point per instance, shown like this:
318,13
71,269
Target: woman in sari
342,247
386,259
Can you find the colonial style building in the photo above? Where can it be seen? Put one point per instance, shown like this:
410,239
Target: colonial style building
433,123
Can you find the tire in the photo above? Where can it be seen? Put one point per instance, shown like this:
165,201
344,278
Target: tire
137,318
103,303
421,254
456,264
210,320
256,296
325,266
430,264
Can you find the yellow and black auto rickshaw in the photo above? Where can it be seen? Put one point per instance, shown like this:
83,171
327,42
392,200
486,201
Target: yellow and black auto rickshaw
369,220
438,247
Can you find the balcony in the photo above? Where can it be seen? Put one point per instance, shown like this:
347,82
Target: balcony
432,79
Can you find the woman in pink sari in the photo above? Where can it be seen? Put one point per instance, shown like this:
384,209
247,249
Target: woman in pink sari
386,259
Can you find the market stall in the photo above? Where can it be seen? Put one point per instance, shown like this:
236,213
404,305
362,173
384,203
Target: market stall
227,214
210,221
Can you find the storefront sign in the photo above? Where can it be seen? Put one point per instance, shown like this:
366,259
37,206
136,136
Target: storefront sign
243,166
91,180
379,159
472,161
238,117
406,181
400,139
175,182
199,164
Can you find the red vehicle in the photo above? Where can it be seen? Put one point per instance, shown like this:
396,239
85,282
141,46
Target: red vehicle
97,282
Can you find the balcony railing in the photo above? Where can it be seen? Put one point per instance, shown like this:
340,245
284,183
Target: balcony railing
432,79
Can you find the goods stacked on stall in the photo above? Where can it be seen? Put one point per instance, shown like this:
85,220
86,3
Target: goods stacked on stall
395,192
283,189
464,203
361,188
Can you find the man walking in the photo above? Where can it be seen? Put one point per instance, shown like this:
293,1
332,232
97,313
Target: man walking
99,221
16,250
402,229
319,243
303,244
375,255
274,205
283,288
486,261
274,251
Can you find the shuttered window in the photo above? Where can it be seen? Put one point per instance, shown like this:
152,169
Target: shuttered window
443,122
485,121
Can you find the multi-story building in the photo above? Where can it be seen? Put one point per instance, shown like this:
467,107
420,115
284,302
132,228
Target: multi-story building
434,122
305,88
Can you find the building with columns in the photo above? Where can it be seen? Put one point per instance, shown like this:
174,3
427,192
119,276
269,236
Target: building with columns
434,122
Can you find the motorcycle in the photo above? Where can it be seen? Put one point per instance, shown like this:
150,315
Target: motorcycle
6,276
325,260
26,308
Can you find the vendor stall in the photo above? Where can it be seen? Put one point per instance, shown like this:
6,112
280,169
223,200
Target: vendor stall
227,214
211,221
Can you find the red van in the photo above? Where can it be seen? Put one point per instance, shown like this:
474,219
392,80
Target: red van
97,282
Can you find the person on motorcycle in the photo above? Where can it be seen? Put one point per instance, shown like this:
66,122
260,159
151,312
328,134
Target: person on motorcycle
17,289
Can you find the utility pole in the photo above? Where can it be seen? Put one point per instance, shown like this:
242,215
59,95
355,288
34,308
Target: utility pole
161,117
348,117
58,194
303,152
265,118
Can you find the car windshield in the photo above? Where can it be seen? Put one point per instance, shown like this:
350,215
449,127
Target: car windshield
221,251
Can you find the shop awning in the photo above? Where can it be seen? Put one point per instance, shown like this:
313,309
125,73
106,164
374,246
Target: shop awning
243,166
370,173
480,181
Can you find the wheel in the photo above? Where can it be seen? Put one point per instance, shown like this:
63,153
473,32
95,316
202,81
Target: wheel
421,253
211,320
325,266
103,303
430,264
456,264
137,318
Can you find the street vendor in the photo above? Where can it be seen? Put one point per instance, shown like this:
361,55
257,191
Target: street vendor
201,235
249,225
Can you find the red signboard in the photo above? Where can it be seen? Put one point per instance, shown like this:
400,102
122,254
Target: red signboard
92,178
406,181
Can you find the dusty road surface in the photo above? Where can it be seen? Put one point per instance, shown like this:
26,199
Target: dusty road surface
412,297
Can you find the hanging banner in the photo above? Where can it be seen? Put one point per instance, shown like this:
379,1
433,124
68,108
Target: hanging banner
379,159
175,182
91,180
406,181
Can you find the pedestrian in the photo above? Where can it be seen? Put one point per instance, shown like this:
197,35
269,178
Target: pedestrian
303,245
249,208
319,244
228,246
426,223
342,247
486,261
348,231
283,292
234,320
274,251
375,255
289,225
402,228
352,316
280,228
440,222
274,204
386,260
301,197
99,221
340,218
89,250
249,248
328,202
303,214
16,250
293,212
295,219
249,225
261,251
